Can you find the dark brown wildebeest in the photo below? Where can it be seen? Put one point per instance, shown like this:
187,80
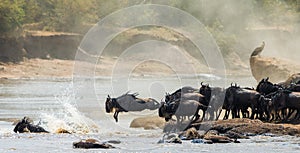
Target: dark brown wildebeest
186,94
129,102
266,87
25,125
181,109
214,98
238,99
284,99
177,94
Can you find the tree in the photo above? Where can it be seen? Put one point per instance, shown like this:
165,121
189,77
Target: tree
11,17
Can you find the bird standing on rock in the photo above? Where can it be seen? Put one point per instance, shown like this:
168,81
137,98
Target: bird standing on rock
258,50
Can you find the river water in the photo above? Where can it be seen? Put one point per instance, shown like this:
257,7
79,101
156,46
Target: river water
75,106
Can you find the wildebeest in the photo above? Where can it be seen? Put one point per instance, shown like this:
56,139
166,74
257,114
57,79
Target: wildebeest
178,93
129,102
185,94
181,108
294,87
25,125
266,87
214,98
238,99
284,99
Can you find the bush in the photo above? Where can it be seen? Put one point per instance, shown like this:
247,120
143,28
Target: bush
11,17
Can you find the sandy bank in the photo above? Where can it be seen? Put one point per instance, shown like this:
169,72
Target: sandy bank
57,68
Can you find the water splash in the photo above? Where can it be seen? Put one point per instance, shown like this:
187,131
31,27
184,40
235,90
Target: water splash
68,117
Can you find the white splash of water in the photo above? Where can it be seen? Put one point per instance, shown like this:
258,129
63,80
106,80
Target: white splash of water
68,117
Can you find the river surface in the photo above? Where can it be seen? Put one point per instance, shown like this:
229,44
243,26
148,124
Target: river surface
78,105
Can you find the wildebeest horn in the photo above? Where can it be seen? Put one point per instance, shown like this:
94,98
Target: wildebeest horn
201,83
108,96
235,84
267,79
231,84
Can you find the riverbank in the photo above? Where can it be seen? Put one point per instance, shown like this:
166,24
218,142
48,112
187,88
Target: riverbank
57,68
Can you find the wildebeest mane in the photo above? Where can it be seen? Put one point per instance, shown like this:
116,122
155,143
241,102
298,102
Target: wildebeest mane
134,95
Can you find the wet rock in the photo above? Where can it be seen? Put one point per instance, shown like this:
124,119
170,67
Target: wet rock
248,127
170,138
214,136
149,122
91,143
61,130
173,126
203,141
235,135
192,133
113,141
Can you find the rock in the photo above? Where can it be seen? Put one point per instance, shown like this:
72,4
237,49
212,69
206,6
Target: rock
192,133
294,78
148,122
175,140
277,69
170,138
114,141
172,126
235,135
213,135
2,68
203,141
61,130
91,143
245,126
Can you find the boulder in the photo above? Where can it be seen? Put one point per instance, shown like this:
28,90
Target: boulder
148,122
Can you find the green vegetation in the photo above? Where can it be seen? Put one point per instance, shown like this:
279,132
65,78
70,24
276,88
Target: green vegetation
11,16
71,15
225,20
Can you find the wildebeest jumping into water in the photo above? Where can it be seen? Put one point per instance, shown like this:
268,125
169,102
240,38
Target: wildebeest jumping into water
129,102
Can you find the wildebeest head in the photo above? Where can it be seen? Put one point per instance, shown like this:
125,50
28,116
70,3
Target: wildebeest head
230,94
206,91
108,104
168,97
164,111
266,87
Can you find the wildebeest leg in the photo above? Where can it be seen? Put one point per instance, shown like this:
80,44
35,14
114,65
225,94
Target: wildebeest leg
290,112
233,112
277,115
297,116
116,115
283,113
218,113
268,115
253,112
197,116
227,111
203,115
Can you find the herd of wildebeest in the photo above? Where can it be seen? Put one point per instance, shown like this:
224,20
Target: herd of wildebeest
268,102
